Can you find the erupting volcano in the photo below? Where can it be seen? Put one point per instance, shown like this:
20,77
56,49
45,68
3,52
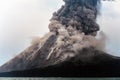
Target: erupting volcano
70,46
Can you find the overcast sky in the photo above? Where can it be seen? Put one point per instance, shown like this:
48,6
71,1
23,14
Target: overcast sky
20,20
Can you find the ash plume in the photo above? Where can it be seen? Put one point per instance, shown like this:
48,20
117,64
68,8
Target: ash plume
75,26
72,28
80,14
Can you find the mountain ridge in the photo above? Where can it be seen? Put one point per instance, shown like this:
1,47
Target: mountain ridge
103,65
70,48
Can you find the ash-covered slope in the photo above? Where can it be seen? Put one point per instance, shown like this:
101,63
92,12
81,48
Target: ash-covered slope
99,65
72,29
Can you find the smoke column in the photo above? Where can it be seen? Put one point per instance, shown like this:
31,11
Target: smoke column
80,14
75,26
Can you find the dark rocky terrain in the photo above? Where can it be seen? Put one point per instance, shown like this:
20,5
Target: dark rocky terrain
70,49
101,65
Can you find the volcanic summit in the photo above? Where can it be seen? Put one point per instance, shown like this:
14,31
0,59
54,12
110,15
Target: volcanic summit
72,39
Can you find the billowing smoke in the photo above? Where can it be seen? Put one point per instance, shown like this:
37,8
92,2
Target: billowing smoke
35,40
80,14
102,42
40,41
75,27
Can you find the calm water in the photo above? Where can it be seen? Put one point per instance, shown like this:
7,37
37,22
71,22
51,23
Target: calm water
59,78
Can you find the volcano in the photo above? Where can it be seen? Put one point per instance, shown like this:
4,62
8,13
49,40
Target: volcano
70,49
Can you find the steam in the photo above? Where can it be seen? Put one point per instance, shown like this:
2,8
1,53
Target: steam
35,40
102,41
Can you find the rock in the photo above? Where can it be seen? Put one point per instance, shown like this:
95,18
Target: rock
100,65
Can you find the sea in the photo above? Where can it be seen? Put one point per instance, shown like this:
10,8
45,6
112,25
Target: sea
58,78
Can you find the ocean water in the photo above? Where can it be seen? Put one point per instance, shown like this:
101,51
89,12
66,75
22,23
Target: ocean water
59,78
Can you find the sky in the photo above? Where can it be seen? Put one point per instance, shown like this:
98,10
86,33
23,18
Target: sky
109,21
20,20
